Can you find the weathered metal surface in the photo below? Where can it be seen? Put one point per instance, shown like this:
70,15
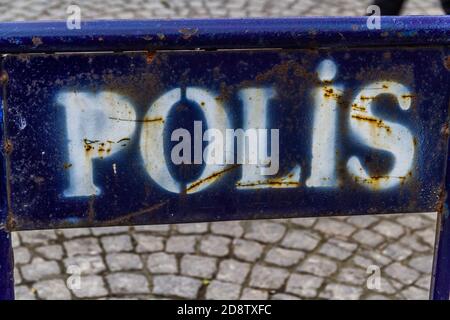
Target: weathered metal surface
6,267
440,277
440,281
88,135
304,32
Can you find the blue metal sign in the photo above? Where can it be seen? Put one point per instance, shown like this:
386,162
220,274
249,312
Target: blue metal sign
243,123
136,138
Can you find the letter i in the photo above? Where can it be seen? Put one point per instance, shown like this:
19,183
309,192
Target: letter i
323,162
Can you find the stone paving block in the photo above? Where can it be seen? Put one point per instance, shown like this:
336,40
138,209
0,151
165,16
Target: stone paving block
415,243
216,246
157,229
268,277
301,240
338,291
228,228
55,289
389,229
283,257
91,287
427,236
397,251
15,239
38,236
74,233
402,273
177,286
422,263
126,283
198,266
247,250
85,265
148,243
413,222
162,262
24,293
377,258
334,251
362,221
21,255
305,286
123,261
109,230
368,238
283,296
304,222
181,244
117,243
414,293
17,276
51,252
218,290
424,282
265,232
374,296
254,294
39,269
233,271
192,228
82,246
334,227
319,266
354,276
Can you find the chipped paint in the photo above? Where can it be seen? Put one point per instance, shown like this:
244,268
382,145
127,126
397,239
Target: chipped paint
341,134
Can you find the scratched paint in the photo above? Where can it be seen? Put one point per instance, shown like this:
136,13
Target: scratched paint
274,133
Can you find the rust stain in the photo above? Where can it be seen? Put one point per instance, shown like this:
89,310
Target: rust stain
357,107
129,216
274,182
4,77
367,98
379,123
103,147
67,165
8,147
188,32
376,180
214,176
447,62
36,41
160,119
10,222
150,57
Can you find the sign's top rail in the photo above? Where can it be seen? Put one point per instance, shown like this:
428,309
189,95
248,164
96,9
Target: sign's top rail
303,32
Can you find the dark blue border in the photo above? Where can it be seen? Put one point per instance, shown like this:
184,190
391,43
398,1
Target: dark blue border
301,32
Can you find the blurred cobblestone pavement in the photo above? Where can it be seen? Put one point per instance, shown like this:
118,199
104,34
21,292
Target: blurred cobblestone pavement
274,259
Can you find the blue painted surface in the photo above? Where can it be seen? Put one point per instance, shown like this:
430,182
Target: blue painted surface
37,133
6,267
304,32
440,283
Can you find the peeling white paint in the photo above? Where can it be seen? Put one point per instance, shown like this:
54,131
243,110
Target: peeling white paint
381,134
96,123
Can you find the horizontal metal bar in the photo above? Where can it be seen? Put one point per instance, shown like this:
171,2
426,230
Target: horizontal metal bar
303,32
6,267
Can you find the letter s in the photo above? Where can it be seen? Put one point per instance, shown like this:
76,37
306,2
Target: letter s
380,134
